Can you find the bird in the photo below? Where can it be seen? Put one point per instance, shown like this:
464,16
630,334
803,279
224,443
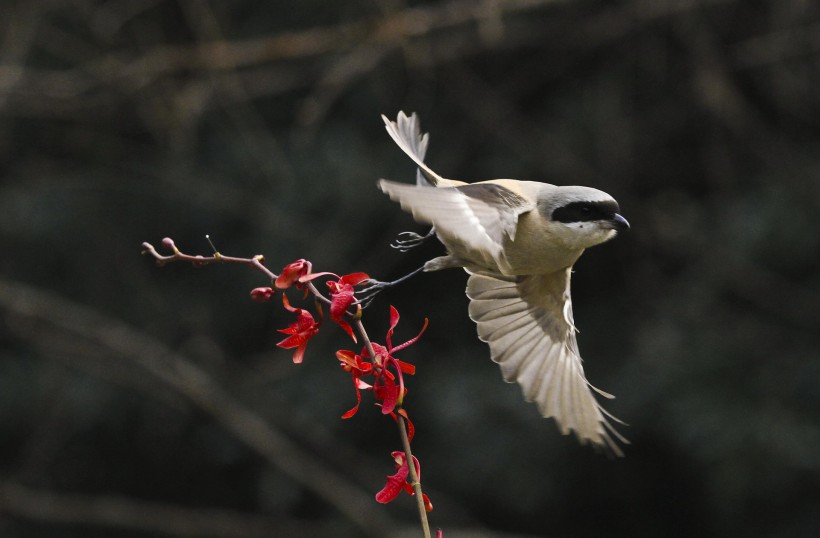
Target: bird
518,242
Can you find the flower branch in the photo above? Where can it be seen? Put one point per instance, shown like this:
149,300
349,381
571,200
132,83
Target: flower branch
376,362
201,261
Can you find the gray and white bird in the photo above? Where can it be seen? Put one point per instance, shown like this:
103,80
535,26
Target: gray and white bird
518,241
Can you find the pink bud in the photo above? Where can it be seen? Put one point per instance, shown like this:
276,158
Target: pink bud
261,295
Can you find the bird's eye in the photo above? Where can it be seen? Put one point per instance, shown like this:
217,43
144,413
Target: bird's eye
585,210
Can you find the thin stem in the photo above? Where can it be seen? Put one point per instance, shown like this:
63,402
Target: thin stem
318,295
255,262
414,477
405,441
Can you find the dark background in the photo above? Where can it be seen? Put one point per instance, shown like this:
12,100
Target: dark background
140,401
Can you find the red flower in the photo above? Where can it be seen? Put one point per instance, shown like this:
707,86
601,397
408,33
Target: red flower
385,389
300,331
292,273
342,295
398,482
356,367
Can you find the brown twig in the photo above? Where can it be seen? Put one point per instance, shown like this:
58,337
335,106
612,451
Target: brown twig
256,262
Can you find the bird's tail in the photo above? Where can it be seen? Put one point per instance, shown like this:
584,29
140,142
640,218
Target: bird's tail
406,132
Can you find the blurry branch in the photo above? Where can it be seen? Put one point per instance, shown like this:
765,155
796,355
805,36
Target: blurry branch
230,87
338,77
368,40
19,35
769,49
123,513
196,385
716,85
110,17
221,55
135,515
329,58
325,59
713,82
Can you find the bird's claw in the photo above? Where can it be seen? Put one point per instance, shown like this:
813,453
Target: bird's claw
373,287
410,240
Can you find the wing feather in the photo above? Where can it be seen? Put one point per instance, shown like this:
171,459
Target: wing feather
473,221
528,323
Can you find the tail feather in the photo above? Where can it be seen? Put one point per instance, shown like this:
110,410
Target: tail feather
406,132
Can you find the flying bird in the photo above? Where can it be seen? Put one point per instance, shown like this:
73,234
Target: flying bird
518,241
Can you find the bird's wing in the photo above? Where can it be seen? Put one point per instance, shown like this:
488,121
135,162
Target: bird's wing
527,321
479,216
406,132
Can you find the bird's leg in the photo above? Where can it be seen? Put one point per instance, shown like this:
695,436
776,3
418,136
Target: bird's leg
374,287
410,240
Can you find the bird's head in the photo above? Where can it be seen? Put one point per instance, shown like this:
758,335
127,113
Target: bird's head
582,217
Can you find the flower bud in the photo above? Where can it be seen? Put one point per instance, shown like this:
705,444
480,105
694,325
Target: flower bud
261,295
291,273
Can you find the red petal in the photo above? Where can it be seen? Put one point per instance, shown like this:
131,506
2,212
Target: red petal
355,408
388,393
412,340
348,329
347,357
411,430
338,306
291,341
395,484
362,385
287,304
394,320
299,354
378,349
340,301
394,317
354,278
428,507
292,273
311,276
406,367
417,465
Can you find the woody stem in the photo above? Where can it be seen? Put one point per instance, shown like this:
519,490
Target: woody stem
405,441
415,483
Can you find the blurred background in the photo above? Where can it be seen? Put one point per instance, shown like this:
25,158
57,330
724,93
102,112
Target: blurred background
139,401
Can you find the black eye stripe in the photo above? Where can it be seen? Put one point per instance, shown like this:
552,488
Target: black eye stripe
585,211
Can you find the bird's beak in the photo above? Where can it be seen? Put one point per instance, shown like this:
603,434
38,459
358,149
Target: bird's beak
619,223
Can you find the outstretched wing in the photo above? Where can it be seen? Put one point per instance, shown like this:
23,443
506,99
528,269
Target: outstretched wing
472,220
527,321
406,132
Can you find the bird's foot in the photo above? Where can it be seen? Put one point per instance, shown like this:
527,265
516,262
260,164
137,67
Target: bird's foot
374,287
410,240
